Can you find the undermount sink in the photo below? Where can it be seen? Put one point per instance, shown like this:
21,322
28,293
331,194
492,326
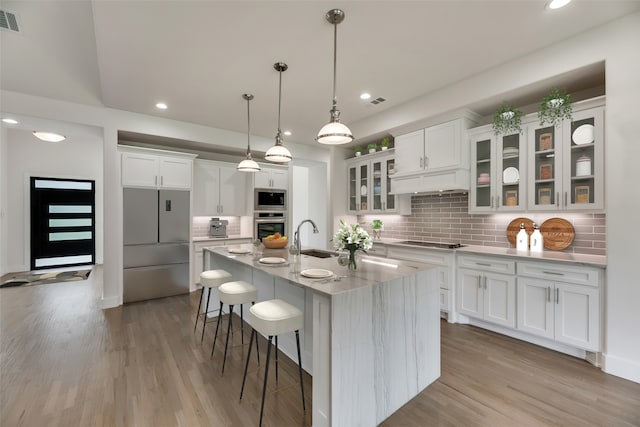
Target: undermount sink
318,253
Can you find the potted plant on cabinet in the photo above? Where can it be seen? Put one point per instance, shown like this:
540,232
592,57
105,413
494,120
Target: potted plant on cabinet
372,147
555,108
376,224
384,144
358,150
507,120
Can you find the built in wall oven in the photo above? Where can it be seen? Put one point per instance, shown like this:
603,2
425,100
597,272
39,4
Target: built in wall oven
269,199
267,223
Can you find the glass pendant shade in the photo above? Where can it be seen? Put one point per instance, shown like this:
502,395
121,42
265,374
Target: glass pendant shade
278,153
334,132
248,164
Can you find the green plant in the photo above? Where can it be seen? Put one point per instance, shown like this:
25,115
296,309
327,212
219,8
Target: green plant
376,224
507,120
372,146
385,142
555,108
357,149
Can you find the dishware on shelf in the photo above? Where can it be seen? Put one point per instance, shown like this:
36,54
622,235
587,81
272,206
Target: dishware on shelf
272,260
510,175
363,190
583,166
483,179
508,152
583,135
316,273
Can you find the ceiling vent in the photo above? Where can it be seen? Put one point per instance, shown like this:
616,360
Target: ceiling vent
378,100
9,21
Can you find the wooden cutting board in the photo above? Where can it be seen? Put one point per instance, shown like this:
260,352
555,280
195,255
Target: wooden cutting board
514,227
557,234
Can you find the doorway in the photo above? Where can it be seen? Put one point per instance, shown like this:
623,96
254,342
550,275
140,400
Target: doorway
62,222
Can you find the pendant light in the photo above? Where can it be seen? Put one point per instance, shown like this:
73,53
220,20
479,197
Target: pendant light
279,153
334,132
248,164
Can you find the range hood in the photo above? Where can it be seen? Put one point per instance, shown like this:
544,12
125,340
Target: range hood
450,181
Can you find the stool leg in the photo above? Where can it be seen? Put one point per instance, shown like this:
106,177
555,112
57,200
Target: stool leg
241,325
246,365
199,307
257,348
204,322
266,373
215,337
300,368
276,358
226,344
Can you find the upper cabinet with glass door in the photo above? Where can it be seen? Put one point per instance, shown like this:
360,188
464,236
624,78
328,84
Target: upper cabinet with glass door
566,163
498,170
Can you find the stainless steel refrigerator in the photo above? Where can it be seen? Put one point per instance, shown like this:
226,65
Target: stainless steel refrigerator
156,243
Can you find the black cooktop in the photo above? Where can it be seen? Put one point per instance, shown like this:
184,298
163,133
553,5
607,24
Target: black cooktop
432,244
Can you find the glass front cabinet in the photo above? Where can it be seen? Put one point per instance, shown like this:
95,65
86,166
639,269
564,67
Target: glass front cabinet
370,185
498,168
566,163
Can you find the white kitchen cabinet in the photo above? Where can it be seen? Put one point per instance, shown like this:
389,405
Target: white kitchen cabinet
369,186
560,303
498,171
486,294
147,168
555,180
219,189
434,148
271,177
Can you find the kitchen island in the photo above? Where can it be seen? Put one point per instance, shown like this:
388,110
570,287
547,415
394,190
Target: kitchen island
371,339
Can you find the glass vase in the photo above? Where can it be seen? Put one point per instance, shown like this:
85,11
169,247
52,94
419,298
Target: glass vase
353,265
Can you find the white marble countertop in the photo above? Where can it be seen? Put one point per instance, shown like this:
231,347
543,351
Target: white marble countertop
216,239
593,260
370,271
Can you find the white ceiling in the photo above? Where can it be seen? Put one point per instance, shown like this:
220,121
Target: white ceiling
200,56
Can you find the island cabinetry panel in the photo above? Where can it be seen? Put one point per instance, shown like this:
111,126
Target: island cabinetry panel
219,189
560,303
147,168
484,292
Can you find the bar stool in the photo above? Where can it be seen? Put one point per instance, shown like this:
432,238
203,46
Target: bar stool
209,279
234,293
272,318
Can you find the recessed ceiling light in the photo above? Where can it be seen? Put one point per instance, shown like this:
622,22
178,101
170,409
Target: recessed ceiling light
161,106
365,95
557,4
49,136
287,133
10,121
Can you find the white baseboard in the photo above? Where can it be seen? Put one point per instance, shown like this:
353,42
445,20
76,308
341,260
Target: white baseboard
623,368
110,302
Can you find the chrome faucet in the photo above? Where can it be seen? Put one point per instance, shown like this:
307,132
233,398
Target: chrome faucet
296,236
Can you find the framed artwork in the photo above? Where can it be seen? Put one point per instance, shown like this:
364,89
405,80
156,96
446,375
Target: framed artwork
544,196
511,198
546,142
582,194
546,171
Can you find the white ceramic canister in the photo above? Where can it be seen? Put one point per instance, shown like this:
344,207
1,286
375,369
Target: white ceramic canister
583,166
522,239
537,242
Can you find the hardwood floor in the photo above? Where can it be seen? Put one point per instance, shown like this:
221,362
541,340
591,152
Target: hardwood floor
66,362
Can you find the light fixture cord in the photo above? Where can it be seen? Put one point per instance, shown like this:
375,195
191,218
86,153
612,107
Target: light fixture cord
335,58
279,136
248,129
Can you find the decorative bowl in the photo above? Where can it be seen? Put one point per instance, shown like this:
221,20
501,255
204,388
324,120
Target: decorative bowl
275,243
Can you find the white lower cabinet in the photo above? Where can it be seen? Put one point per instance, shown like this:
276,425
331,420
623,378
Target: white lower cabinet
552,307
198,258
487,296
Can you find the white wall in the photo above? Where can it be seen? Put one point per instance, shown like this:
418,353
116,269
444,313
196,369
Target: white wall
3,201
308,202
78,157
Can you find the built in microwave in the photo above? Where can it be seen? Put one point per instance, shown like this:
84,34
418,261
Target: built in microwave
268,199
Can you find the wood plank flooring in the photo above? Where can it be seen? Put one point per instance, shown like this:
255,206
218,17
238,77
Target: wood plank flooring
66,362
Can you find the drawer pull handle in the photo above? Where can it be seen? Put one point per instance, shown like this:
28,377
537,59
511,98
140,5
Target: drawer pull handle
548,293
553,273
557,296
484,264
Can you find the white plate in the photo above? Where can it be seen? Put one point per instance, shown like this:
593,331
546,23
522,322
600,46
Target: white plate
317,273
510,176
583,135
239,251
363,190
272,260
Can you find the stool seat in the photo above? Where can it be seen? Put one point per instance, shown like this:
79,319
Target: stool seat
275,317
239,292
214,278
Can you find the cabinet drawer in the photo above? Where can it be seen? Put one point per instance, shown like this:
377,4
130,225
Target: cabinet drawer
495,265
561,272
